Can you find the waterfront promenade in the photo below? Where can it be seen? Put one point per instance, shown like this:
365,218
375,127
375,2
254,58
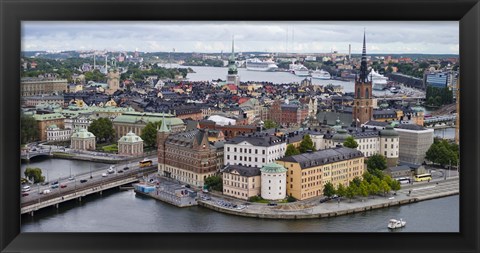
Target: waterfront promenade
313,209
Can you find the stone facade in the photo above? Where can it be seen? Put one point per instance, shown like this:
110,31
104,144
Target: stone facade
31,86
83,140
130,144
241,182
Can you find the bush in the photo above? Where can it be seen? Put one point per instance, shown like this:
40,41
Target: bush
291,199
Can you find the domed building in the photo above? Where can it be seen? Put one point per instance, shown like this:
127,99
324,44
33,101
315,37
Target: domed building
130,144
389,145
83,140
274,180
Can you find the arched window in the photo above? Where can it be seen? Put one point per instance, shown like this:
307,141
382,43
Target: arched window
366,93
358,93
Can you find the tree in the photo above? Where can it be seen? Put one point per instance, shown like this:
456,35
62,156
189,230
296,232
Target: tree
35,173
384,187
373,189
28,129
328,190
270,124
395,185
350,142
214,182
357,181
363,189
443,153
149,133
367,176
306,144
341,190
291,150
102,128
376,161
351,191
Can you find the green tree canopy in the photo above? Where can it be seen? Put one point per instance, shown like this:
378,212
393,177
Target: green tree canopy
443,153
35,174
350,142
306,144
102,128
149,133
341,190
328,190
373,189
215,183
363,189
270,124
351,191
28,129
384,187
357,181
376,161
291,150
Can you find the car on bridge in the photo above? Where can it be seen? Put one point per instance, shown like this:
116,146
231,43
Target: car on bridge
63,186
83,181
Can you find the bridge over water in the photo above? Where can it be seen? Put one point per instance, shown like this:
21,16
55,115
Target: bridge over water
95,183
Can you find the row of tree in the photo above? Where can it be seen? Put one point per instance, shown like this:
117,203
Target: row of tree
438,96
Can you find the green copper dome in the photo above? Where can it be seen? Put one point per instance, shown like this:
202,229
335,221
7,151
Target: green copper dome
388,131
273,168
341,135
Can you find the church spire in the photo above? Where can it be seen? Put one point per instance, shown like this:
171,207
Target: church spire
163,127
232,68
363,66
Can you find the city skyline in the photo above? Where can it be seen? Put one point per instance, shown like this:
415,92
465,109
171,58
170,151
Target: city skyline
214,37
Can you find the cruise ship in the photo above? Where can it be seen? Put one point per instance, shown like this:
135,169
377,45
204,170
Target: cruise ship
321,74
256,64
299,70
379,81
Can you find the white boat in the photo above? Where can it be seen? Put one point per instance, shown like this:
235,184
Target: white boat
379,81
392,224
321,74
256,64
299,70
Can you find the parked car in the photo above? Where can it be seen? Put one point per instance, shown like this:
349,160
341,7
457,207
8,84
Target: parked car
120,171
24,194
126,168
25,188
104,174
54,186
46,191
83,181
323,200
272,204
63,185
44,183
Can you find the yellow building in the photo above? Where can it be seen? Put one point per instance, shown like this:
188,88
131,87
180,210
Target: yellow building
241,182
308,173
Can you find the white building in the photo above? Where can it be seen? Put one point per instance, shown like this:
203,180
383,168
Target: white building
54,133
130,144
253,150
221,120
414,142
370,141
83,140
274,178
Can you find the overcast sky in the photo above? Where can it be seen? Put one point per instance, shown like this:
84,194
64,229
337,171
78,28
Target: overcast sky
298,37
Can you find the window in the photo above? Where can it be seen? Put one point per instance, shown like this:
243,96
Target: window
358,93
366,94
385,145
263,153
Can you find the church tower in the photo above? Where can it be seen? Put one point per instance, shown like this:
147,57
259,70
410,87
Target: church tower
362,107
162,135
232,77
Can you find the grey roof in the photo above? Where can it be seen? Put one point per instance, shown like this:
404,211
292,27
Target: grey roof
243,171
345,117
388,131
399,168
326,156
257,139
410,127
377,123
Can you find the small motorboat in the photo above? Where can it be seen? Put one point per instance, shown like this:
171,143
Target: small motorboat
393,223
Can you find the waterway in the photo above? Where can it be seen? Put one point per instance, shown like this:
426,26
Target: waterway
124,211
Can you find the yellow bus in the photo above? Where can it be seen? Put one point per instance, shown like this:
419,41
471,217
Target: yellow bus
422,177
145,163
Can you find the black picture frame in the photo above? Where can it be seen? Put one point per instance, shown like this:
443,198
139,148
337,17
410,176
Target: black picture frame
13,12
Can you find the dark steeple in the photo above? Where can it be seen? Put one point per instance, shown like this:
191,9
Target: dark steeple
363,67
232,68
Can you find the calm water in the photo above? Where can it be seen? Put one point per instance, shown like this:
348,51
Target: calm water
124,211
